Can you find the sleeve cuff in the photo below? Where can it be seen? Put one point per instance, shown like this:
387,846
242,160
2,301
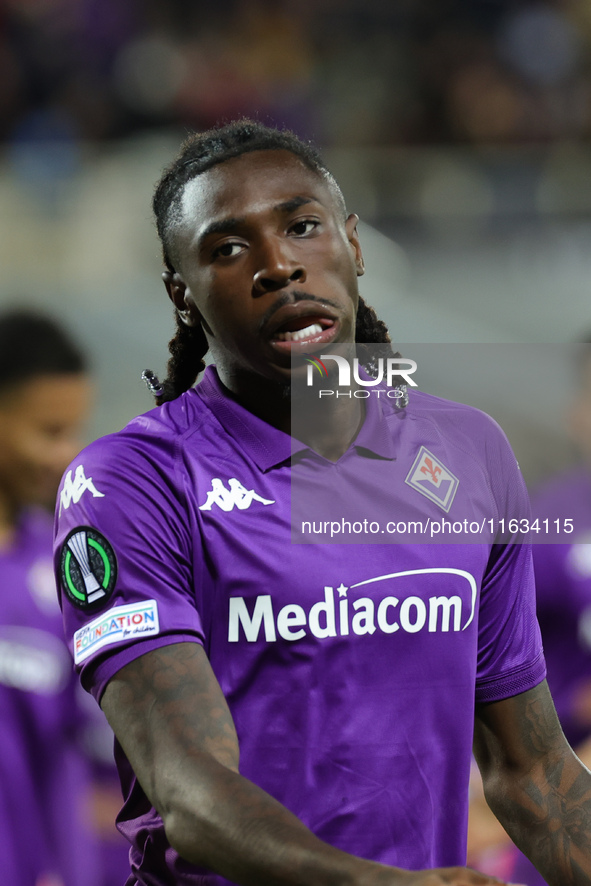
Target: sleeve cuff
513,683
96,676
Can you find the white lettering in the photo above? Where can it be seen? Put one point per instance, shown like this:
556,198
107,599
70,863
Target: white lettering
344,617
383,623
254,619
421,615
327,610
263,611
396,368
288,616
363,620
445,604
395,365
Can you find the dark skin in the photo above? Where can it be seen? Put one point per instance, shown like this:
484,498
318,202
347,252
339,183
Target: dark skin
41,421
256,231
277,249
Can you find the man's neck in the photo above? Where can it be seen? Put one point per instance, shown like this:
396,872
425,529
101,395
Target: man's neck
326,426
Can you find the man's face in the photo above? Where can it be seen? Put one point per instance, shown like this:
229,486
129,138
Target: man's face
40,425
266,262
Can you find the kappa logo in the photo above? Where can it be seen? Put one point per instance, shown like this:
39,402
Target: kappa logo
73,490
432,479
234,497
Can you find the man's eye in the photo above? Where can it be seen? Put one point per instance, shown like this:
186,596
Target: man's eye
228,250
304,226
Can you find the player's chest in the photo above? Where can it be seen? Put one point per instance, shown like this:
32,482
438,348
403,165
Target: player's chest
259,576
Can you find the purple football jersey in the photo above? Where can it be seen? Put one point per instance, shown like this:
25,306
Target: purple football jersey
44,776
351,671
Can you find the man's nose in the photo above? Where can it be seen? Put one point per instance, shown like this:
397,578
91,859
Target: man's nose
278,268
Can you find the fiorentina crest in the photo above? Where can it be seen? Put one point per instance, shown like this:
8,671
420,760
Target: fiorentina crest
432,479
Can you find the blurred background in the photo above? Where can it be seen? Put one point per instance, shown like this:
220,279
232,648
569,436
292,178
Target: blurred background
460,131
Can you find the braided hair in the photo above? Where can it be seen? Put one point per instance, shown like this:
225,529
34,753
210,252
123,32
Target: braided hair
199,153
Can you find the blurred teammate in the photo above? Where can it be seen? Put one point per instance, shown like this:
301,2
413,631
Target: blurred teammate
563,586
302,714
46,836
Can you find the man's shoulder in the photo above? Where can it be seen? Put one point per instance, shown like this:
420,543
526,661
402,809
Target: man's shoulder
573,485
453,417
143,453
152,434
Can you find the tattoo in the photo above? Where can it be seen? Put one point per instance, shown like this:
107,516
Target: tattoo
546,791
170,697
171,718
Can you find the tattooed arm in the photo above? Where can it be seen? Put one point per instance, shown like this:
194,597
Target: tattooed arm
536,786
174,725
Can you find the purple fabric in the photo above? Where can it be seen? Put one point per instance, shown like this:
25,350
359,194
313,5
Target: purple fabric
351,670
44,776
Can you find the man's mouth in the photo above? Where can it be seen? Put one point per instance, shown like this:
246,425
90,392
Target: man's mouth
302,329
301,326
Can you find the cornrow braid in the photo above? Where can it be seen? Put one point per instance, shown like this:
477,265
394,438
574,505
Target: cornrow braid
368,327
188,348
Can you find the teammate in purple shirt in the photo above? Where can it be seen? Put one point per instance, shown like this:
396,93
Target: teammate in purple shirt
563,586
302,713
45,835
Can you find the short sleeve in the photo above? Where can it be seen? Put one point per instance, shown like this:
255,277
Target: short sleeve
510,655
123,554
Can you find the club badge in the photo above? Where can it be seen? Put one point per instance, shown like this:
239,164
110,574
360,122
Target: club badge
88,568
431,478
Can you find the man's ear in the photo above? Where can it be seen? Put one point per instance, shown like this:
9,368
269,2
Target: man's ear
180,297
353,238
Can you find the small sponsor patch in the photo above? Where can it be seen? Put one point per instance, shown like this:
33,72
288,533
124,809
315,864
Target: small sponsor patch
432,479
115,626
88,568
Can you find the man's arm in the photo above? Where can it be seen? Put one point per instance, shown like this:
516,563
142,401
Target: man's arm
173,723
536,785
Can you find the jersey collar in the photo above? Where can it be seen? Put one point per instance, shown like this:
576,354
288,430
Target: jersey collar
269,447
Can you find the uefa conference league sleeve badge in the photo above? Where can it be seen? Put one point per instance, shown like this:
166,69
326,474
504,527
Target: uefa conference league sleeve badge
88,568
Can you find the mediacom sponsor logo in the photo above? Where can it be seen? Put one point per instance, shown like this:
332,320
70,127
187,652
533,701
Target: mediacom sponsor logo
338,616
116,625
